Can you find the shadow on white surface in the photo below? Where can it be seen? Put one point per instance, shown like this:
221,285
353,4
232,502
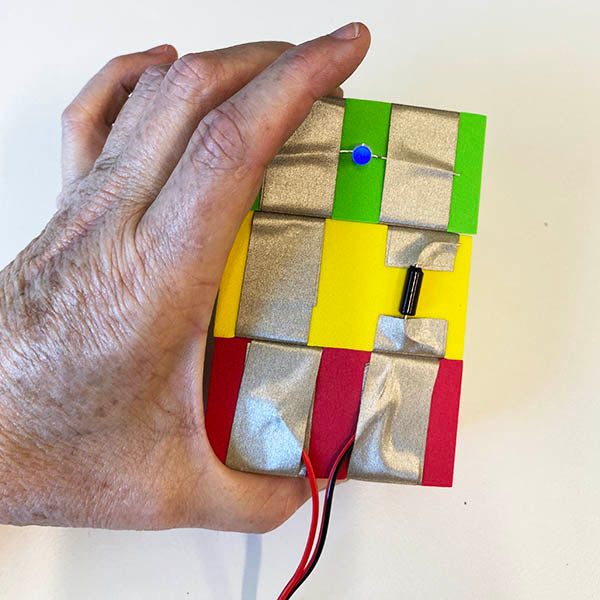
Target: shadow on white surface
252,567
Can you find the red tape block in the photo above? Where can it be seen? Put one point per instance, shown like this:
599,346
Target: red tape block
337,402
336,407
438,467
229,357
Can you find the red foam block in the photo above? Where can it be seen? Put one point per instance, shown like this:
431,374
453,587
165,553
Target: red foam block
438,467
336,406
229,357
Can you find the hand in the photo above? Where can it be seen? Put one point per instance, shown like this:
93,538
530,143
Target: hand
104,316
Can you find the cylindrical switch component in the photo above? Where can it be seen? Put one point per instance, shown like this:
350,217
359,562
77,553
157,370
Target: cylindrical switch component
412,289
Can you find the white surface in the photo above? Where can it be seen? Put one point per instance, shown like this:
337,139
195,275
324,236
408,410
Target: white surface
522,519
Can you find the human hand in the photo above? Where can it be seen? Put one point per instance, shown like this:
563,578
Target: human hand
104,316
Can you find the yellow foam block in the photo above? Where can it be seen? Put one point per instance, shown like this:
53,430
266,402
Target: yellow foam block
228,302
355,287
352,285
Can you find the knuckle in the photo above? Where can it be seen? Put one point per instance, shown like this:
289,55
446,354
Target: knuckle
193,74
152,76
67,115
299,62
219,141
115,64
150,81
300,69
104,163
73,115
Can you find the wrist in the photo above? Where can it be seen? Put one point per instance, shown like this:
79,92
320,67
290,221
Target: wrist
19,476
16,484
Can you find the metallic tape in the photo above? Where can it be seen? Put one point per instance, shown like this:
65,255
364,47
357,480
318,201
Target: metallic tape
417,186
419,337
300,180
273,408
393,419
281,279
433,250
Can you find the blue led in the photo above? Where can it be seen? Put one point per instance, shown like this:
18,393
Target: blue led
361,155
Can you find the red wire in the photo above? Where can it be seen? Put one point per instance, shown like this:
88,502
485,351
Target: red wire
329,479
303,566
314,490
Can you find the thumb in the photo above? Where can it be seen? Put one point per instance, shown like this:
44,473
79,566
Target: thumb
244,501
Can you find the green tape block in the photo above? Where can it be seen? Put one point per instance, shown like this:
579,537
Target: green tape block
358,189
256,205
464,205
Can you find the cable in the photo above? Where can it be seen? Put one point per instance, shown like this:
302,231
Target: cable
314,490
344,454
304,570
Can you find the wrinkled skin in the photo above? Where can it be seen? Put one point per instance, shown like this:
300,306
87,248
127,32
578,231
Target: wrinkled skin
104,316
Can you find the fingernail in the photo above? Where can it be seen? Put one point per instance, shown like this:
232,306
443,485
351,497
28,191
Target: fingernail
347,32
158,49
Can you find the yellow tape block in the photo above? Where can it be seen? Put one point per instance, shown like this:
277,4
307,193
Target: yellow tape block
355,287
230,289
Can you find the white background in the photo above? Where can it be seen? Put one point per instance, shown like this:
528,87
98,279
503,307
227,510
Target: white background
522,520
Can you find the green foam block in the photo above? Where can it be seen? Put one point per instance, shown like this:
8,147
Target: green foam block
256,205
358,189
464,205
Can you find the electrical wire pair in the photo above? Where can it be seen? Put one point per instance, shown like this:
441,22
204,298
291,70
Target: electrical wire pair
306,565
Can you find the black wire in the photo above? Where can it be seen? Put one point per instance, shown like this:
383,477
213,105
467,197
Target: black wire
326,514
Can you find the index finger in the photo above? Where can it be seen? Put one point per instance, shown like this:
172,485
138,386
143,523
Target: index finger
215,182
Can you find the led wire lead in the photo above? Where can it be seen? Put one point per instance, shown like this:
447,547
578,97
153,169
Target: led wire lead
346,151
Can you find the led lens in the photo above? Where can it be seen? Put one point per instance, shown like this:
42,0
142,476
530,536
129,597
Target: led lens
361,155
